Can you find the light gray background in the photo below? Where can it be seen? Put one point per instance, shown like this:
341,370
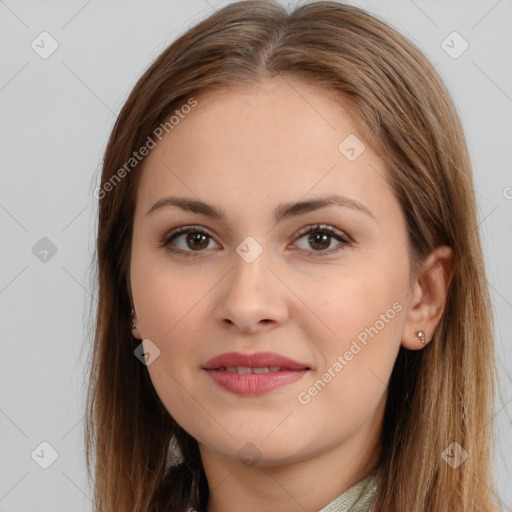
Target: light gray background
55,118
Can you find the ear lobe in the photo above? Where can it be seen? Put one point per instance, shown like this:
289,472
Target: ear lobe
134,326
428,298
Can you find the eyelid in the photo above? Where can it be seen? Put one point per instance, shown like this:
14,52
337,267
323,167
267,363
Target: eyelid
324,227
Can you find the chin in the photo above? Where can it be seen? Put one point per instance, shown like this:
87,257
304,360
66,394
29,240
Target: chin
258,450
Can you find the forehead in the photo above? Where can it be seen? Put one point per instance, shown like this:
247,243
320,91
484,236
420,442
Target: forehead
279,138
272,112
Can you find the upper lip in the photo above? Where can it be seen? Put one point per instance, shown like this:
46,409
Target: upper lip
255,360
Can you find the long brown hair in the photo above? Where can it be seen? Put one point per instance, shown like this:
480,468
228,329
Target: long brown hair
437,396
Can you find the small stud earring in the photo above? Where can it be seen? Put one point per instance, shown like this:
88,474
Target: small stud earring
134,325
421,336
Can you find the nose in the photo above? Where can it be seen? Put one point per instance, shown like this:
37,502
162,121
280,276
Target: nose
251,298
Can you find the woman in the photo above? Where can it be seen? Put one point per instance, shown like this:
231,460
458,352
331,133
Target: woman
293,310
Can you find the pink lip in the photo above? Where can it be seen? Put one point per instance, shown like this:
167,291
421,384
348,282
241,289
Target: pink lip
251,384
256,360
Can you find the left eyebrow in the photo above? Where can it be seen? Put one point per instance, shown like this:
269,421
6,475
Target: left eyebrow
282,212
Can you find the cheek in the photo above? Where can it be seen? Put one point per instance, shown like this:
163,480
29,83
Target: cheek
166,296
169,304
361,315
355,363
346,305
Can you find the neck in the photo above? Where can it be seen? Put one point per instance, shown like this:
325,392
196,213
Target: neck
306,484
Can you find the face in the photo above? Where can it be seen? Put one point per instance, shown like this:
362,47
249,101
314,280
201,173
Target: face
271,324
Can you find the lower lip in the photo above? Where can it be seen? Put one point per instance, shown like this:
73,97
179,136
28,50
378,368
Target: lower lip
253,384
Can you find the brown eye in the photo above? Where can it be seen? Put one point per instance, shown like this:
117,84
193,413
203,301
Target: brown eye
187,241
320,238
196,241
319,241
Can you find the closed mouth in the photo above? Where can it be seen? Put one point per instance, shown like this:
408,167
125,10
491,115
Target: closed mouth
258,362
248,369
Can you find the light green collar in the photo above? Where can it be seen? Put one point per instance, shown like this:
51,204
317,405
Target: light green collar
359,498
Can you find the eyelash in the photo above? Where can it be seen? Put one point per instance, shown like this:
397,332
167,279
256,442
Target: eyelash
319,228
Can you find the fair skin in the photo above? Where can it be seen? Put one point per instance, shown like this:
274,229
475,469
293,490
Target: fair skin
246,152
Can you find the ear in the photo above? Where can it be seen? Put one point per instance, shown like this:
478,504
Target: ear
429,291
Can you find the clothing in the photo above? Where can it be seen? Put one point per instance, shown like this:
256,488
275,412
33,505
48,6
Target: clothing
359,498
